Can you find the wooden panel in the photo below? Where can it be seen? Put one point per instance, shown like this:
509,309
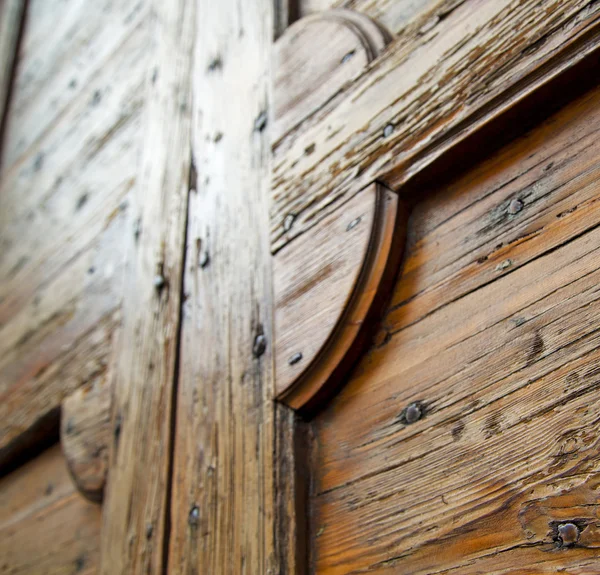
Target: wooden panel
136,498
63,212
403,16
234,481
468,437
46,526
425,94
66,43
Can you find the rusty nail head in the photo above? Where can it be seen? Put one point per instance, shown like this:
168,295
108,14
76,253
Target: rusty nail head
515,206
295,358
568,534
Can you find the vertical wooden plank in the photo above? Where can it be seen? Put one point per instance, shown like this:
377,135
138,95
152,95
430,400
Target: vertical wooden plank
233,485
139,464
11,17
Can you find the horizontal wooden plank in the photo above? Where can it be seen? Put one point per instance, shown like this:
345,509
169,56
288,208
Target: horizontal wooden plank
500,378
46,526
425,94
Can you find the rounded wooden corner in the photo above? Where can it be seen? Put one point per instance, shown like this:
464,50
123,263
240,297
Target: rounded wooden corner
315,58
363,307
84,438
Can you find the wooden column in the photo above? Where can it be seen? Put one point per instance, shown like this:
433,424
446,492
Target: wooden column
233,482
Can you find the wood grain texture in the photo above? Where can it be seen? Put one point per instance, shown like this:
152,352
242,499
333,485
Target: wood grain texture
423,96
398,16
11,18
46,526
469,433
234,482
313,283
85,435
402,16
330,286
63,211
136,498
307,78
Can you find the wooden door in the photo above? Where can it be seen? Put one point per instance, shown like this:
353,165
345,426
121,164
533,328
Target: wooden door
312,296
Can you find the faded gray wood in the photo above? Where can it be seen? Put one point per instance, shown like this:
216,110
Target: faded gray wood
137,494
11,16
234,483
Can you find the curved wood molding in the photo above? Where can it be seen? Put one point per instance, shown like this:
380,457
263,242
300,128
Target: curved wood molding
315,58
85,435
330,285
327,281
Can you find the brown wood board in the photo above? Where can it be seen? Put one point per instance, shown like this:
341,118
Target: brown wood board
491,340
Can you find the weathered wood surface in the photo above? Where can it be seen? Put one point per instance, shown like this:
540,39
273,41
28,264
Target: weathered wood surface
11,18
469,433
46,526
396,15
316,59
68,165
330,286
137,494
85,435
234,481
424,95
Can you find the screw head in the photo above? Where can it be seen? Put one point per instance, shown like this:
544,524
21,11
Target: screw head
413,413
388,131
295,358
158,281
515,206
